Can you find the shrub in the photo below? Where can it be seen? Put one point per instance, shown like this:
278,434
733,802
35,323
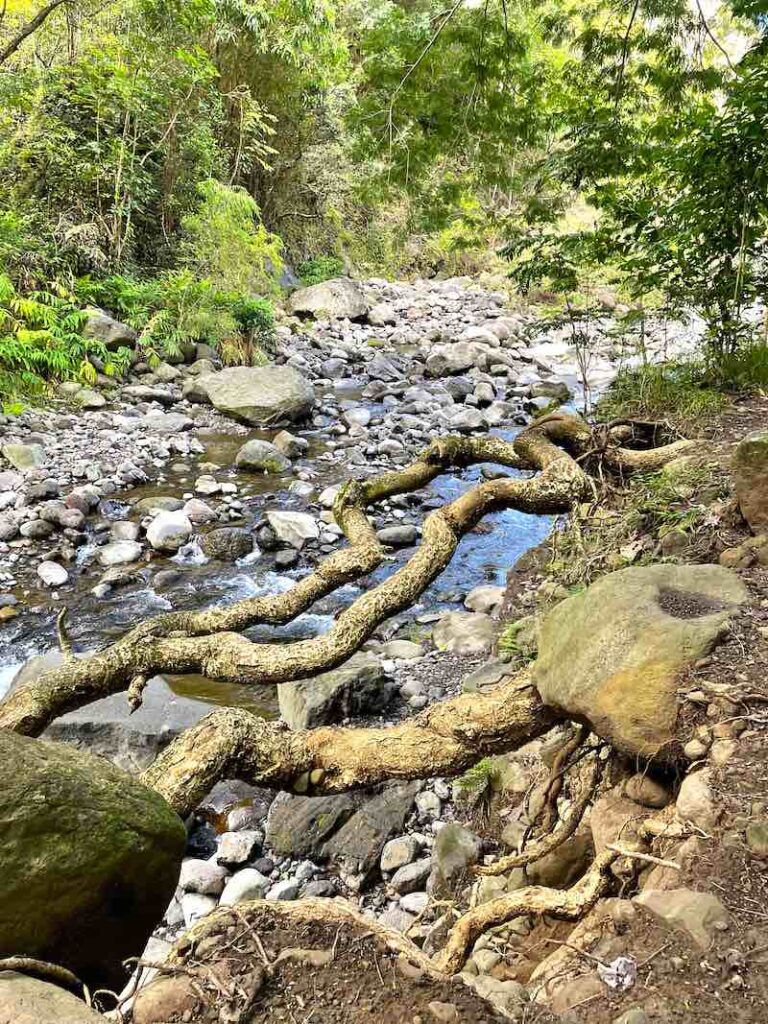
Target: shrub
321,268
41,339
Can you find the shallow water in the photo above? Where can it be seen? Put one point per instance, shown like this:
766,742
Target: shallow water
484,556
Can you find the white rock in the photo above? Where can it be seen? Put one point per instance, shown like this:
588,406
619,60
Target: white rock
119,552
248,884
169,530
294,528
52,574
194,906
202,876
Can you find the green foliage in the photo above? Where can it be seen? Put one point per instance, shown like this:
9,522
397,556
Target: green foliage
321,268
681,392
41,340
655,517
227,244
176,310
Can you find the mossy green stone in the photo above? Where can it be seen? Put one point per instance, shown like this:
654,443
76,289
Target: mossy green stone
89,859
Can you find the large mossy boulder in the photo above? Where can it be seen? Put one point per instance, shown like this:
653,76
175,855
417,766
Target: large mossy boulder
612,655
750,478
89,859
111,332
258,395
333,299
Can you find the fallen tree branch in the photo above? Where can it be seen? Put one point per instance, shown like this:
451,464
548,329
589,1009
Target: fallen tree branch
647,858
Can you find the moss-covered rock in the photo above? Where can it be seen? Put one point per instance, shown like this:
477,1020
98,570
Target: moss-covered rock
750,477
89,859
612,655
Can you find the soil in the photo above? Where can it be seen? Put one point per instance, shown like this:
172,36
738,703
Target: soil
257,969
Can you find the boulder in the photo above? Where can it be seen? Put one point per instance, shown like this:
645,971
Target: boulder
227,543
357,845
700,915
464,633
447,360
169,530
87,398
750,479
289,445
261,457
111,332
166,424
352,689
293,528
334,299
24,456
25,1000
89,859
258,395
381,314
612,654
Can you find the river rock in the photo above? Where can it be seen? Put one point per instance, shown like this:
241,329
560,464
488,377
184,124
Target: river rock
199,511
52,574
262,457
89,859
352,689
358,843
464,633
298,826
147,393
484,599
456,849
248,884
695,801
87,398
119,552
333,299
202,876
168,531
381,314
399,852
259,395
293,528
700,915
398,536
25,1000
289,445
613,653
227,543
111,332
24,456
750,478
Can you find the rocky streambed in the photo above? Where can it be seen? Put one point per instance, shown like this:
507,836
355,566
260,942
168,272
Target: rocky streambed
169,492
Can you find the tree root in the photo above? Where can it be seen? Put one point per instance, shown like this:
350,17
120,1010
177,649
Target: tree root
564,904
445,739
552,840
45,971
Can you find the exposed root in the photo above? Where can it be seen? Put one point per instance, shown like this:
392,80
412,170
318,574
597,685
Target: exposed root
445,739
557,775
552,840
45,971
65,644
564,904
